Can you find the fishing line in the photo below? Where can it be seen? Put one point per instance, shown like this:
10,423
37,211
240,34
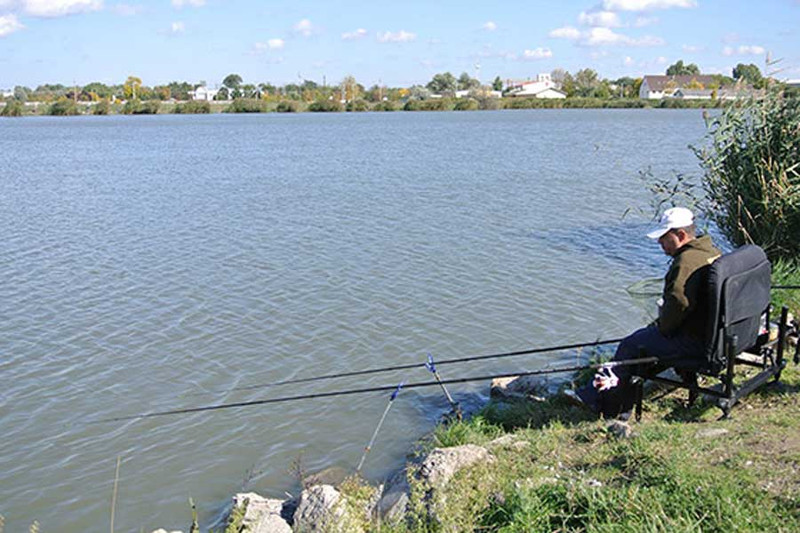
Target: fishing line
350,392
423,365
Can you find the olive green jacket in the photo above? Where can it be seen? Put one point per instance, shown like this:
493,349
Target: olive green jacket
684,306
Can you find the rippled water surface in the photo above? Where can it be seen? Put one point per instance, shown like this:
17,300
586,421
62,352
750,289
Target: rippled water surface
163,262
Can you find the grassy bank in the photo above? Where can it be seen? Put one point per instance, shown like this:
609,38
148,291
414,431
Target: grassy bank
682,470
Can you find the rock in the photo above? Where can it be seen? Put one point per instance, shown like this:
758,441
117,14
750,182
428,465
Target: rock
393,504
620,429
442,463
711,432
529,387
594,483
321,508
262,515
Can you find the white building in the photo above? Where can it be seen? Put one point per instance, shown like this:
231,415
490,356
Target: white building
6,93
658,87
203,93
543,87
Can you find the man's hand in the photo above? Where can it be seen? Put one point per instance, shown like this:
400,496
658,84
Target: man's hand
605,379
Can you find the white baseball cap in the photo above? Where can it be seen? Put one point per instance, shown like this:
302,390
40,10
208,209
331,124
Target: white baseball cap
675,217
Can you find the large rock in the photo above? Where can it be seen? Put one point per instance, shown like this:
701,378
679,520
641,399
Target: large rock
321,508
524,387
262,515
393,504
443,463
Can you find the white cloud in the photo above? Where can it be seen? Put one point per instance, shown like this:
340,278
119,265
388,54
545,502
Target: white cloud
127,10
744,50
354,35
401,36
304,28
59,8
567,32
691,49
628,61
490,25
646,5
641,22
606,37
177,27
9,24
661,60
537,53
605,19
192,3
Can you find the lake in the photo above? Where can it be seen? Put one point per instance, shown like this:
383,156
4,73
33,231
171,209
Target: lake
162,262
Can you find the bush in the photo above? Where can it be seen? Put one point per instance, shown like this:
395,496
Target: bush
286,106
357,105
433,104
63,107
325,106
247,105
14,108
466,104
137,107
193,107
385,106
752,180
103,107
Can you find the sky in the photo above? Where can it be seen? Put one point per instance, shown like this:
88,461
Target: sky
397,44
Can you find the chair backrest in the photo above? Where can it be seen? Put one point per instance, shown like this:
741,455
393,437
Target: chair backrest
737,297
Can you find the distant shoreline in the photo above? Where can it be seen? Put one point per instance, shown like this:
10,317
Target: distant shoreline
244,105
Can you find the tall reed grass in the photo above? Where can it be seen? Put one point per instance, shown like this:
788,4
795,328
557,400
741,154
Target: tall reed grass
752,173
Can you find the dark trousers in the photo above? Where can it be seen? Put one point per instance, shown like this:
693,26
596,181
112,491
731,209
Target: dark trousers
645,342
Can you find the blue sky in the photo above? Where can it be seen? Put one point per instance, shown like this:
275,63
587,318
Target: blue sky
393,43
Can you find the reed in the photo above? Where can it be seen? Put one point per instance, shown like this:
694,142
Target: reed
752,173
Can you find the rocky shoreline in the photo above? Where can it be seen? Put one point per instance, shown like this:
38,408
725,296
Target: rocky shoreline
332,501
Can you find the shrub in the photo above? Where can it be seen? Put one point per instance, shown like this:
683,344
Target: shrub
63,107
103,107
385,106
247,105
14,108
137,107
324,106
752,179
193,107
357,105
286,106
466,104
433,104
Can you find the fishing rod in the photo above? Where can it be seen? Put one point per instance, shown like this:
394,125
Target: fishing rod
350,392
424,365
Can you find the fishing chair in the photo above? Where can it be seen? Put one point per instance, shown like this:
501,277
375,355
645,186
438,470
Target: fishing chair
738,306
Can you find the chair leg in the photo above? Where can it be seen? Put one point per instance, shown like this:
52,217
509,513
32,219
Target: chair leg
638,384
689,379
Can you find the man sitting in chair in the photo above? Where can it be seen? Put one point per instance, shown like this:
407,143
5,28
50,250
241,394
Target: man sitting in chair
682,314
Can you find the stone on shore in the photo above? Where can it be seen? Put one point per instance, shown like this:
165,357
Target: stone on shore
520,387
442,464
392,506
321,508
262,515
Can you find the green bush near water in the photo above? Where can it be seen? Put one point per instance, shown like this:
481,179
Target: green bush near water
287,106
247,105
193,107
752,174
357,106
103,107
137,107
13,108
325,106
63,107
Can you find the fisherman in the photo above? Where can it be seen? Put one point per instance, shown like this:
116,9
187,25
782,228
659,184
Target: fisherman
682,315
